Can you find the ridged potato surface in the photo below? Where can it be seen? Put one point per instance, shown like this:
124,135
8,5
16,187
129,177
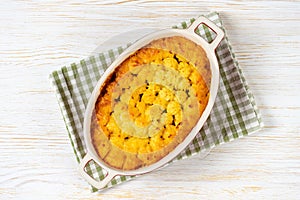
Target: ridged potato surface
150,103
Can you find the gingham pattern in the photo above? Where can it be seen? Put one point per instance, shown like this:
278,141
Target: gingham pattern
234,113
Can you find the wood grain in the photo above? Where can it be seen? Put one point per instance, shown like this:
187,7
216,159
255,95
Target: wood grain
37,37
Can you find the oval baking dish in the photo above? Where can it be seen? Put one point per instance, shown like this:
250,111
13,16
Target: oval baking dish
151,102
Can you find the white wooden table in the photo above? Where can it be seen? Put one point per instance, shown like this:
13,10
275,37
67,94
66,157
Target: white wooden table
36,159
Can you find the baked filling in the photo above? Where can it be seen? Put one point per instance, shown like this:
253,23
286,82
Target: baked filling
150,103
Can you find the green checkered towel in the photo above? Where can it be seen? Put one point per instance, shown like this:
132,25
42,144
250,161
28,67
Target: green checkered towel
234,114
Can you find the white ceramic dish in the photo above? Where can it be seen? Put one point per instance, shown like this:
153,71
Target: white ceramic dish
210,52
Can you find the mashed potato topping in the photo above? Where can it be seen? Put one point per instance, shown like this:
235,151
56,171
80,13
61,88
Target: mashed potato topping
150,103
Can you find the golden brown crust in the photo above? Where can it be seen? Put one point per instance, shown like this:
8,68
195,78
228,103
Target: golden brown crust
100,141
122,130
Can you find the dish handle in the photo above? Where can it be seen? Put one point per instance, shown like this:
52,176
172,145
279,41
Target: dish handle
218,31
97,184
